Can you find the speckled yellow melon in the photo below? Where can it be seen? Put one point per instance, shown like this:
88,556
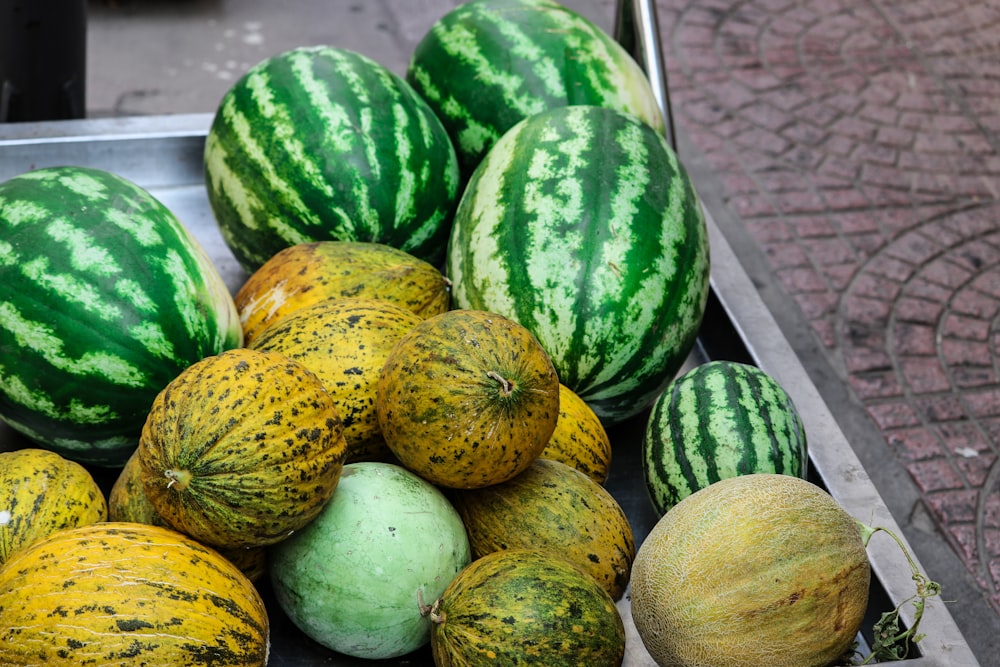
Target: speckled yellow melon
346,343
555,508
760,569
525,607
580,439
42,492
123,594
241,449
308,273
127,501
467,399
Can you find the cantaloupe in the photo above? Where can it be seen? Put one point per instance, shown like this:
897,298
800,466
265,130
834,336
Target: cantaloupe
759,569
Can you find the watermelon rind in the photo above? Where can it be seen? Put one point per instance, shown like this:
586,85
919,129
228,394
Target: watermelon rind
488,64
323,143
582,225
721,419
104,297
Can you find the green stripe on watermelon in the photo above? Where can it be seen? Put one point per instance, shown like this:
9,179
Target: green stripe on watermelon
488,64
320,143
719,420
104,297
582,225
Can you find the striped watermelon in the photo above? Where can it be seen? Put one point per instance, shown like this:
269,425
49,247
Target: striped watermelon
104,298
581,225
488,64
719,420
320,143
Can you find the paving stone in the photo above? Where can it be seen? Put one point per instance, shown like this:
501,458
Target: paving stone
802,279
877,286
844,199
914,339
931,395
915,444
966,377
975,468
964,352
984,402
839,277
926,375
875,385
957,506
935,475
964,538
785,255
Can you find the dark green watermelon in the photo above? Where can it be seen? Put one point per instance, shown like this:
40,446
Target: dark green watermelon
582,225
321,143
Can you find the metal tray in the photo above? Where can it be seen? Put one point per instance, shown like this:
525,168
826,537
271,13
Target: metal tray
164,155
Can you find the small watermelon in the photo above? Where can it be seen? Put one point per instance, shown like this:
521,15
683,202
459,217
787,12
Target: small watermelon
719,420
358,577
322,143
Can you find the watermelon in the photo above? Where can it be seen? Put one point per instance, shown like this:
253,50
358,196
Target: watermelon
582,225
104,298
720,419
320,143
488,64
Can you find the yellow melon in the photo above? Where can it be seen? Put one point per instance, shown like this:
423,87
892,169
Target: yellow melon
760,569
121,594
580,439
552,507
42,492
127,502
467,398
308,273
241,449
345,342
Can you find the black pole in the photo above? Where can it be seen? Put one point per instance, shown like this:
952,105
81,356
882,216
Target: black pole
43,58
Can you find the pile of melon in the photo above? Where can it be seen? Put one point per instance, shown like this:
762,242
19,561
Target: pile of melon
460,285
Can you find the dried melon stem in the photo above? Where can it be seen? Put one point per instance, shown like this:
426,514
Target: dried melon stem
179,479
432,611
506,386
892,643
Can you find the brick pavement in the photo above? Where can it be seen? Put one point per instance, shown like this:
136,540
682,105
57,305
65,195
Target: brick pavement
859,142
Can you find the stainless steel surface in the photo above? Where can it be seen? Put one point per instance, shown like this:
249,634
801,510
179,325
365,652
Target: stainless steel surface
637,28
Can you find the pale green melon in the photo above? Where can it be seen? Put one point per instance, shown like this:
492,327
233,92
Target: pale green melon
357,578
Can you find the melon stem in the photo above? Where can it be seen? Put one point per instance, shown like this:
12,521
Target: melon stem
179,479
432,611
507,388
890,642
